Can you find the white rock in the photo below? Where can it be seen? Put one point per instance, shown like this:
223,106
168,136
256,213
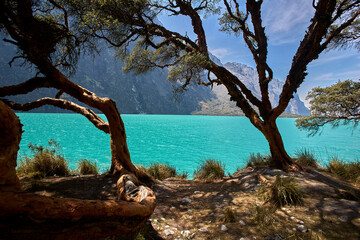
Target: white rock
189,210
185,233
292,217
168,232
242,222
244,238
301,222
186,200
224,228
344,218
302,228
167,226
247,212
284,209
162,219
203,229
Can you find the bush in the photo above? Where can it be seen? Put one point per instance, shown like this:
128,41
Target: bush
162,171
85,167
283,191
306,158
210,170
259,160
45,162
346,171
264,216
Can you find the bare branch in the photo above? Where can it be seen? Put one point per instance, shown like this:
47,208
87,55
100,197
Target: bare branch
61,103
26,87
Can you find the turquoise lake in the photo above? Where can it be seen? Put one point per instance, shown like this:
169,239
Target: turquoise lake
181,141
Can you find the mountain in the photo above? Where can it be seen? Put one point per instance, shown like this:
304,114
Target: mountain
149,93
221,104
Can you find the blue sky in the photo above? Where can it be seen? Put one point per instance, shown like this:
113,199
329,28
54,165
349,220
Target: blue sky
285,25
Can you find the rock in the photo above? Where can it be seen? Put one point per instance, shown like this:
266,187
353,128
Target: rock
301,222
292,217
344,218
247,212
301,228
168,232
162,219
186,200
192,235
224,228
244,238
185,233
167,226
189,210
203,229
242,222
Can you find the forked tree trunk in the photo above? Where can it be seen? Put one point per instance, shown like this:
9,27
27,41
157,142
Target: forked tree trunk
280,157
31,216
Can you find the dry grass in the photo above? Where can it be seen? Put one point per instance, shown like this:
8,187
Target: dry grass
86,167
306,158
346,171
259,160
162,171
45,162
210,170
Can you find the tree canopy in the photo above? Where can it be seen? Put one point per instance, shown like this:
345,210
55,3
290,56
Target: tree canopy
334,24
336,105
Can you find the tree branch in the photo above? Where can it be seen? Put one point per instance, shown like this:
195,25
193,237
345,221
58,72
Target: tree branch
26,87
61,103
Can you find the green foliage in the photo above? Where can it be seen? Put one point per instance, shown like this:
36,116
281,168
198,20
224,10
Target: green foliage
336,105
258,160
46,161
306,158
210,170
283,191
162,171
347,171
229,215
85,167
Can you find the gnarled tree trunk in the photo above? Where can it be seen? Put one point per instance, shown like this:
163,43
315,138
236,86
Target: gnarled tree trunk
31,216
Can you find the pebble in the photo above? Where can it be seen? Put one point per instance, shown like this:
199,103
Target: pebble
189,210
203,229
185,233
284,209
186,200
247,212
167,226
168,232
301,222
292,217
302,228
242,222
192,235
224,228
162,219
244,238
344,218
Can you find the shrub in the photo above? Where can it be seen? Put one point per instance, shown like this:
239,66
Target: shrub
346,171
229,216
283,191
210,170
45,161
85,167
259,160
162,171
306,158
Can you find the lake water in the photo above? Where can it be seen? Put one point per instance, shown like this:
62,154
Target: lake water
181,141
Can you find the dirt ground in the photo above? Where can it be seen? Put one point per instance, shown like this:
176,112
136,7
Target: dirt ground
191,209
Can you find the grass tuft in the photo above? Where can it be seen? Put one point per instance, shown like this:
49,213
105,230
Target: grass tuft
259,160
45,162
264,216
210,170
162,171
283,191
306,158
229,215
346,171
86,167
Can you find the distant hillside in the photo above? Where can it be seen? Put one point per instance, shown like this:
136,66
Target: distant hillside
148,93
221,104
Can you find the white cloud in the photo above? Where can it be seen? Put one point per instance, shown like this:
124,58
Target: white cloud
332,56
325,77
286,21
220,52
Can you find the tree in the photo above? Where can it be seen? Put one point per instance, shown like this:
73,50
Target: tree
44,38
335,23
338,104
